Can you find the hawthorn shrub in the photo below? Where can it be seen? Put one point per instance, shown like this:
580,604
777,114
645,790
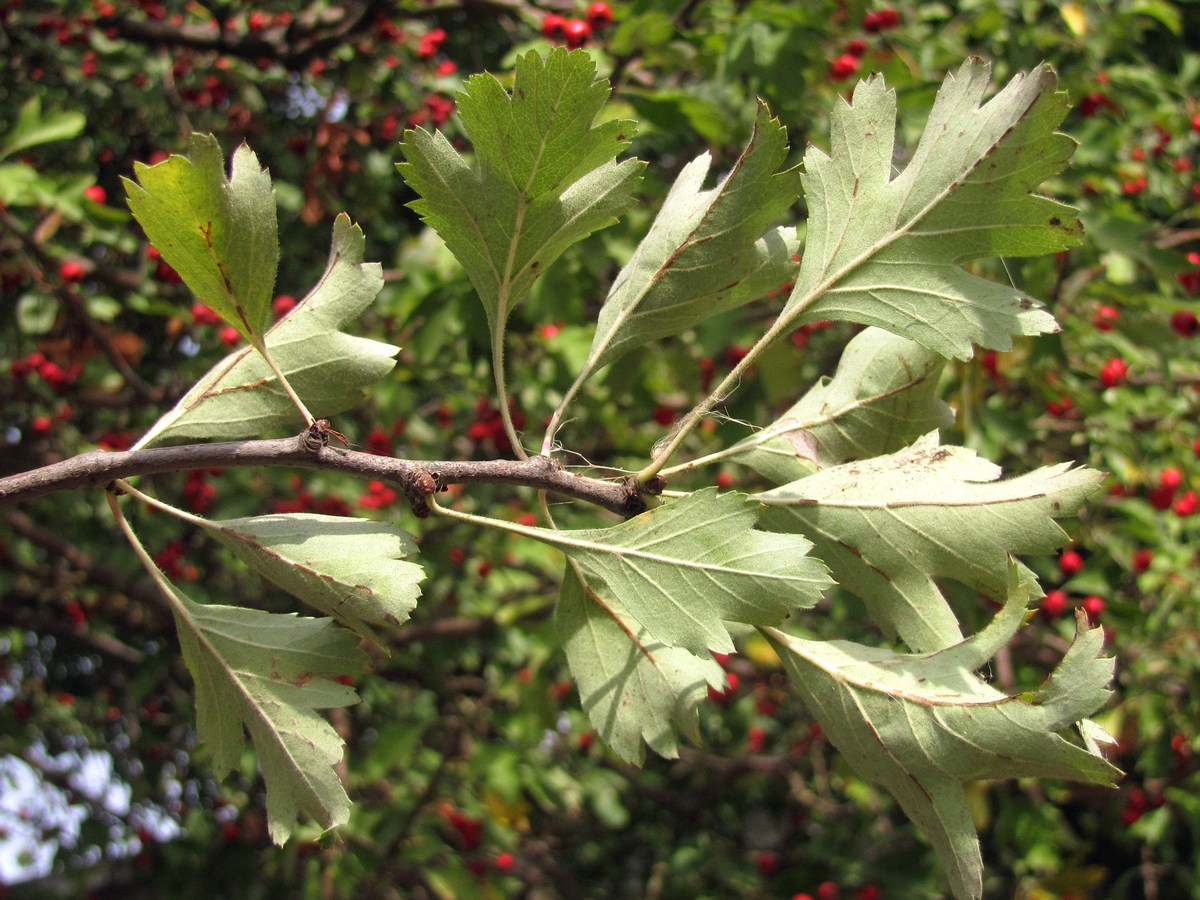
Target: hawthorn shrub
470,760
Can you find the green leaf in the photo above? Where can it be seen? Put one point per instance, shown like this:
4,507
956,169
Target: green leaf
923,726
708,251
355,570
33,127
889,527
241,397
888,251
635,689
270,673
686,568
219,234
544,174
881,398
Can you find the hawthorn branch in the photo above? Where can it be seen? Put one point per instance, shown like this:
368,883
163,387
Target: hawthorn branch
416,478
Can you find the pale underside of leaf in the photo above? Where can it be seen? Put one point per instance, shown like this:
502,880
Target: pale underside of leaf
271,673
887,252
685,569
708,251
355,570
881,398
241,397
923,726
636,690
890,526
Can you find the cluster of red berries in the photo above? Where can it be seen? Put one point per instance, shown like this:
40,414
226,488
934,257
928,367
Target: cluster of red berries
258,20
1138,802
198,493
378,496
875,22
576,33
1056,602
1114,372
58,378
170,560
489,423
430,43
1165,495
829,890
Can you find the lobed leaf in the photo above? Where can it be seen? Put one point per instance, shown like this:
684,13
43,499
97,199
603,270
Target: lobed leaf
889,527
708,251
356,570
218,233
635,689
922,726
881,398
888,251
686,568
270,673
543,178
241,397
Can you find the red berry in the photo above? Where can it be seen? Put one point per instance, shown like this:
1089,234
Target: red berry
767,863
828,890
1186,505
856,47
843,67
1196,447
1070,563
554,27
663,415
96,194
1093,606
230,336
41,425
282,305
1196,123
1105,318
599,16
880,20
1114,372
1170,478
1054,604
1141,559
756,738
1185,323
577,32
724,481
504,861
869,891
72,272
1161,497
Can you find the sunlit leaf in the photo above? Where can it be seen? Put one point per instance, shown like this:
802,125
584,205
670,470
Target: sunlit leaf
888,251
218,233
543,176
241,397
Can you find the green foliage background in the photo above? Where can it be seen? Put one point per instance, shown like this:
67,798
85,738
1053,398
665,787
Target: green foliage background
470,742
